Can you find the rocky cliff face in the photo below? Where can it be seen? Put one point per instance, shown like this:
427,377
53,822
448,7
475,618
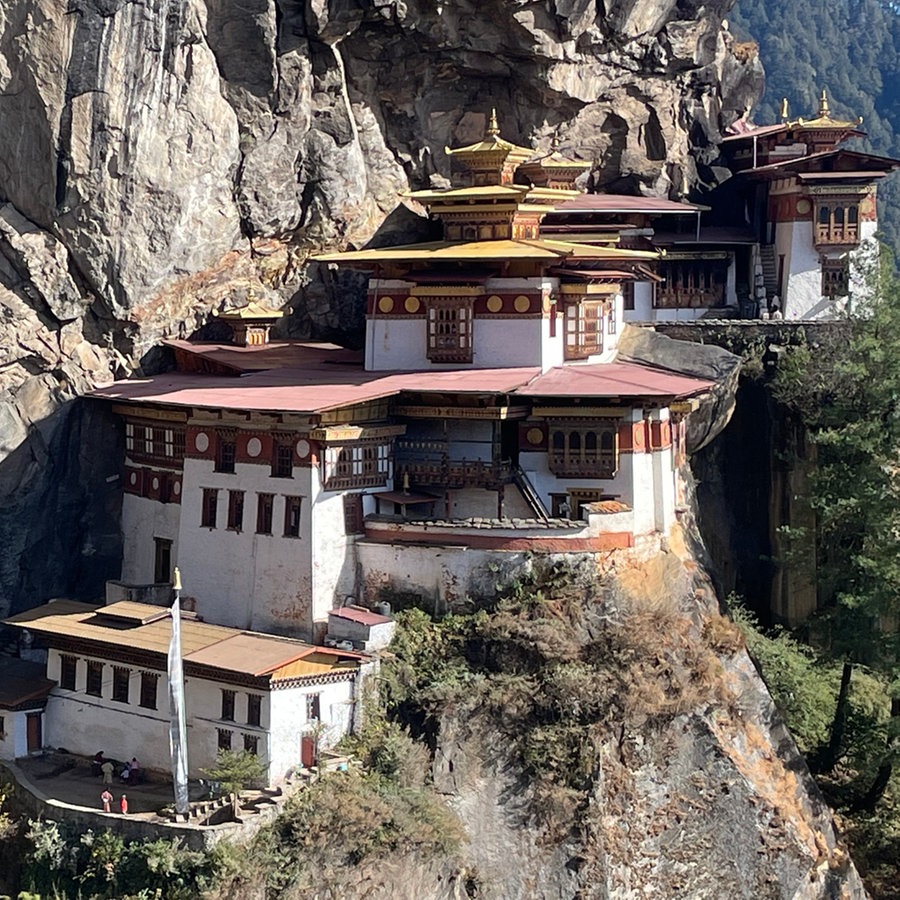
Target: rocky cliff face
158,158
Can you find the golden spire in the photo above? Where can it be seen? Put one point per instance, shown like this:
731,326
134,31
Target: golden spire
493,129
784,109
824,110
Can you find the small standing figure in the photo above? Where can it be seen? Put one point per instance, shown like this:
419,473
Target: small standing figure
126,773
136,777
107,769
123,803
107,798
96,763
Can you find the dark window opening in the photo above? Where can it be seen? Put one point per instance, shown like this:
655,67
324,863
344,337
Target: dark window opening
148,689
254,709
228,706
121,678
264,504
94,678
68,666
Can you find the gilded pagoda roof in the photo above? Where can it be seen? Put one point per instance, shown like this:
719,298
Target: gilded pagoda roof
253,311
491,145
451,251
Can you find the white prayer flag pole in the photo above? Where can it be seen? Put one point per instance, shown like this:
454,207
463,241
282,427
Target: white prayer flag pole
177,724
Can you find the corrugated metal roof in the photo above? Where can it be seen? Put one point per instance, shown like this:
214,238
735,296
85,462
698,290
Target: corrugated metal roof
360,615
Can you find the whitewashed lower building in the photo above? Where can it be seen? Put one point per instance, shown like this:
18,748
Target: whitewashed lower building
279,698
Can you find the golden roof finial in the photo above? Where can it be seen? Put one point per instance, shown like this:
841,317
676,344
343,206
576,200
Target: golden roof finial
493,129
784,109
824,110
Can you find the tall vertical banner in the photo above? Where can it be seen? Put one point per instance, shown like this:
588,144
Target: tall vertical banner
177,723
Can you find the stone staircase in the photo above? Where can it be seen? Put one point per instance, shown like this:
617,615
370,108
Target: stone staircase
769,269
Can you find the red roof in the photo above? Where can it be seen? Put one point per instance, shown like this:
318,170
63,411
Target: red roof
275,355
616,379
359,615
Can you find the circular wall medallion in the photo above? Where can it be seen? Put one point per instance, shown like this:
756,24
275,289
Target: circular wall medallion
412,304
803,206
155,483
201,441
534,435
494,304
254,447
385,304
133,478
176,488
521,303
302,449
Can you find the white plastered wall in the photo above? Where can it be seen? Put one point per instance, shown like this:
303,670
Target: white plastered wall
14,733
241,578
290,724
142,521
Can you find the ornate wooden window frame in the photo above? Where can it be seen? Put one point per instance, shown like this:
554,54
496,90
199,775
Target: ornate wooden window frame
449,325
583,449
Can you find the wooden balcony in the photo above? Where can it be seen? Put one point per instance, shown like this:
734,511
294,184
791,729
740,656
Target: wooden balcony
846,235
429,464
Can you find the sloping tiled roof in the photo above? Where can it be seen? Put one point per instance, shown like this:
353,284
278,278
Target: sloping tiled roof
146,627
22,683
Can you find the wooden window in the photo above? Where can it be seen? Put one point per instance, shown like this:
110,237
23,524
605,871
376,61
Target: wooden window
628,295
292,506
254,709
449,329
583,450
225,451
838,223
210,507
313,708
283,458
162,564
584,328
264,503
353,514
235,510
580,497
223,741
68,667
148,689
251,744
835,277
121,679
154,444
94,678
691,284
362,464
227,706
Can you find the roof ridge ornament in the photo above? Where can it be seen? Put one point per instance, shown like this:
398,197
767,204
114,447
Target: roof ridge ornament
493,129
824,109
785,109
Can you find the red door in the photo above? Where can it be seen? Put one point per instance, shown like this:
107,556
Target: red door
33,732
308,751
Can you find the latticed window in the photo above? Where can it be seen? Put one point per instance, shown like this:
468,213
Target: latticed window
283,458
692,283
835,277
254,709
363,464
837,223
145,443
584,328
225,451
450,329
583,450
